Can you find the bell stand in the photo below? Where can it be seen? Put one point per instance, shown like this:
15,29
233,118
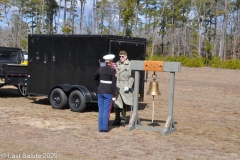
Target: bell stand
172,67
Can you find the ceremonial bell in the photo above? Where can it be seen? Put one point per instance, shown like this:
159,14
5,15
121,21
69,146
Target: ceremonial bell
153,88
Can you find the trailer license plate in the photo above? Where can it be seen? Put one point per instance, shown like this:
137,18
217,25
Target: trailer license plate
2,80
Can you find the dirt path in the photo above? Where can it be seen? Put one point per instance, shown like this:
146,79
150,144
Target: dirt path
206,112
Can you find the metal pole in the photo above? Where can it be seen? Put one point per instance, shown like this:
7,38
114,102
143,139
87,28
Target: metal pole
170,124
134,117
171,94
153,110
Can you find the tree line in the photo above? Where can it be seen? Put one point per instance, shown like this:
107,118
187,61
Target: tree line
204,28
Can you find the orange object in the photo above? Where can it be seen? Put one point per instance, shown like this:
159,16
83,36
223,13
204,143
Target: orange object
153,66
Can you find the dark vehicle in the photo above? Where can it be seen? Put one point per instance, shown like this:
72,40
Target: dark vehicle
9,55
12,72
62,66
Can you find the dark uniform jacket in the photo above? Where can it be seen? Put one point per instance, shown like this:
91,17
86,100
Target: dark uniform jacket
106,73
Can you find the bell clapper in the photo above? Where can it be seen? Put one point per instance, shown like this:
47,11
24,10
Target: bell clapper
153,112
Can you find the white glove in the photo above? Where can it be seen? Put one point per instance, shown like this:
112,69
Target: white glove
113,99
126,89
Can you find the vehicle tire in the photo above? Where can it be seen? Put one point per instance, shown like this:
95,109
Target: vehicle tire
58,99
76,101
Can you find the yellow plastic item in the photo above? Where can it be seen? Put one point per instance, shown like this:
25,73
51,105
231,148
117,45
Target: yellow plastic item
25,63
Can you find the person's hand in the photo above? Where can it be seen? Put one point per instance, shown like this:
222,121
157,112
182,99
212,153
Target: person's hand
126,89
113,99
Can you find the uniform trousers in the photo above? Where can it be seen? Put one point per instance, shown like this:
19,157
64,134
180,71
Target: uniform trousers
104,109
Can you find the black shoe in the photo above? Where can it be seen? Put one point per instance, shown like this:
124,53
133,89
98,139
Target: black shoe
103,131
116,123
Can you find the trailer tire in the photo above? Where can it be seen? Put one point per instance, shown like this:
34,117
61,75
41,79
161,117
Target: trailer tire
76,101
58,99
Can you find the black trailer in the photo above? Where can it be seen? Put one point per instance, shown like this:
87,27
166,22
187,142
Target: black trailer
62,66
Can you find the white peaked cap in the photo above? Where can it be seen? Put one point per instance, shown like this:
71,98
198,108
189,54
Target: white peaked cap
109,57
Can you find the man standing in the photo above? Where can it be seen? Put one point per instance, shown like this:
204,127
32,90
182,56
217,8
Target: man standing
106,78
124,88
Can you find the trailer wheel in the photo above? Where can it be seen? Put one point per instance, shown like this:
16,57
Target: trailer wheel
76,101
58,99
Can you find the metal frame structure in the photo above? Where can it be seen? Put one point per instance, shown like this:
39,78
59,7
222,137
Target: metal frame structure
172,67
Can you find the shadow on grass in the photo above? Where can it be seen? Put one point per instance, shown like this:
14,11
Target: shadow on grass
9,93
42,101
155,122
46,101
92,107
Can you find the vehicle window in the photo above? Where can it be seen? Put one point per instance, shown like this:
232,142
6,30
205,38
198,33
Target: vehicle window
5,55
14,56
11,56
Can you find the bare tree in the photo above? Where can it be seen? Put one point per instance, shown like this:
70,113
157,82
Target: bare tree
42,14
72,14
222,50
136,18
236,35
6,8
82,6
155,35
59,14
65,13
93,17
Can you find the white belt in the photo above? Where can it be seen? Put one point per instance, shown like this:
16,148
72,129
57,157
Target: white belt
107,82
